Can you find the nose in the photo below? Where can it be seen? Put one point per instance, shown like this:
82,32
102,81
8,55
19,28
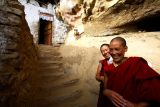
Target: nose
113,52
106,52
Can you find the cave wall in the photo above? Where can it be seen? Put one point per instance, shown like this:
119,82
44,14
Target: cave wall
18,54
108,17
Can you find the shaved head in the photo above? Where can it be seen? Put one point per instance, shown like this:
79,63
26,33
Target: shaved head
118,48
120,39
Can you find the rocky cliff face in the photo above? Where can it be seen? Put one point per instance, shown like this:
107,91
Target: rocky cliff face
107,17
18,54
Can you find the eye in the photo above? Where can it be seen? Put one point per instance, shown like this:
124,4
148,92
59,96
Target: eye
116,49
111,49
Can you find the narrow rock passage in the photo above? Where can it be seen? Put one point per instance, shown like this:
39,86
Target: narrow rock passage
50,85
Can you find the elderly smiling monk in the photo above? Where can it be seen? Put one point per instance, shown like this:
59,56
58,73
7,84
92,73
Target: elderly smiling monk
129,81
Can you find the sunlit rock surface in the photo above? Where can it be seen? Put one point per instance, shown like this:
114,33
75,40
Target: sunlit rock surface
107,17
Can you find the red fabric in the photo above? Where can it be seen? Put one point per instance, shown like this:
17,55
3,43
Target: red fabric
134,80
104,63
102,99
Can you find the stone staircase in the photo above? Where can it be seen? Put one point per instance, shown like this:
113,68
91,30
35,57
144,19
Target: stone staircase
51,86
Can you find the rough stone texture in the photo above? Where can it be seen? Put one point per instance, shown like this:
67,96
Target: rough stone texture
124,13
18,54
110,16
51,85
70,11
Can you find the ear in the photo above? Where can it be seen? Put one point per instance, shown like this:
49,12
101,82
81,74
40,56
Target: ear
126,48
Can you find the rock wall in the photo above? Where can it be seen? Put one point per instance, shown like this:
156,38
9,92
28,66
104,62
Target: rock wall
125,16
108,17
18,54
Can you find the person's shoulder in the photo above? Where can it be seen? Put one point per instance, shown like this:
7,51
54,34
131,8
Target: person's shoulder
101,61
136,59
141,60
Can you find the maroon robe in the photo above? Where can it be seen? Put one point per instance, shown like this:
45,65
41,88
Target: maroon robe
134,80
102,99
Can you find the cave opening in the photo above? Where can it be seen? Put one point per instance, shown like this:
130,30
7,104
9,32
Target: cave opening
148,24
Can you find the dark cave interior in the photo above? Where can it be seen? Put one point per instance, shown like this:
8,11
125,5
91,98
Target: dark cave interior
150,23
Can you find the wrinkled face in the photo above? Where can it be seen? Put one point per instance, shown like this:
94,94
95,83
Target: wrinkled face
105,51
117,51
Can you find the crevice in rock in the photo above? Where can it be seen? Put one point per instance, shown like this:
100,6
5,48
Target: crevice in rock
88,12
147,24
150,23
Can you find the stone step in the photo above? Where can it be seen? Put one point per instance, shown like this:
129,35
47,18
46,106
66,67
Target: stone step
50,63
51,86
51,91
43,45
53,68
45,53
77,103
73,104
63,100
50,72
50,58
51,80
52,50
60,84
51,75
49,55
57,97
57,80
55,88
47,47
70,96
48,80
